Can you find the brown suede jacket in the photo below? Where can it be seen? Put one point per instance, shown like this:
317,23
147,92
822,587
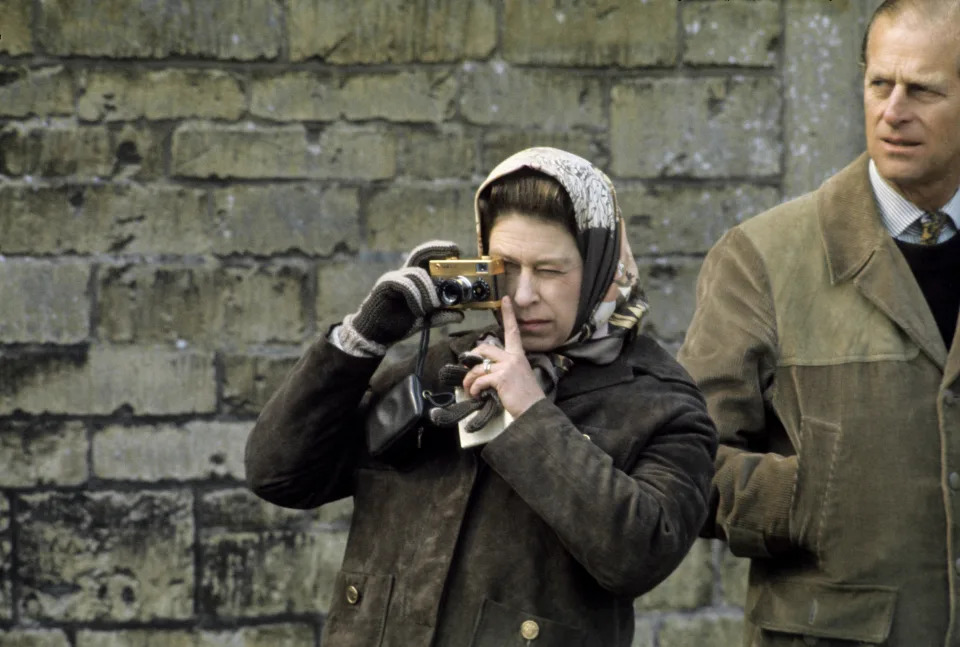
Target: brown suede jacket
549,531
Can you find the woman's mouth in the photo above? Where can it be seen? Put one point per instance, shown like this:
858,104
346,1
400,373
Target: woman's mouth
532,325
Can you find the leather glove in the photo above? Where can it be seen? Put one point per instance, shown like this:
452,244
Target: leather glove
399,304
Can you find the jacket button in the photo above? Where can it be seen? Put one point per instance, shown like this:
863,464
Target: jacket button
587,436
954,480
529,630
353,595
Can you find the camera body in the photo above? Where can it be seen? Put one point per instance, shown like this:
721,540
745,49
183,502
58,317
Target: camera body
468,282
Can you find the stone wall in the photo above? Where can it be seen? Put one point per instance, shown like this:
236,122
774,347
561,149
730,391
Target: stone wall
191,190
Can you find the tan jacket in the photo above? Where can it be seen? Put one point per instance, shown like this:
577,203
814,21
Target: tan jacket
837,405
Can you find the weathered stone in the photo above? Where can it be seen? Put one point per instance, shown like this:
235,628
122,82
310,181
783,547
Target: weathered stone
823,90
394,96
286,565
244,30
34,638
114,218
644,631
203,304
276,219
239,510
57,148
274,635
499,145
392,31
101,379
42,453
433,155
44,301
604,33
160,94
737,32
684,219
87,556
690,586
196,450
249,151
342,285
705,629
6,561
727,127
249,381
400,218
15,38
38,91
733,576
139,152
670,284
496,94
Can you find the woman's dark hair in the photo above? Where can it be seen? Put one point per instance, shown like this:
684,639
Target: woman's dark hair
529,192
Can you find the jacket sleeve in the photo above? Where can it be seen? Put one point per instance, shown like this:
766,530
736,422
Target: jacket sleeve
629,528
306,442
731,350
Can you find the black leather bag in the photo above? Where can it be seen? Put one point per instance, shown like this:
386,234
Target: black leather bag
394,425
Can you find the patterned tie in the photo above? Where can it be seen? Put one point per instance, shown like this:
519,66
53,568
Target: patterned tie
931,224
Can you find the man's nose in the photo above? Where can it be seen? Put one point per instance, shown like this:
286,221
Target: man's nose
897,108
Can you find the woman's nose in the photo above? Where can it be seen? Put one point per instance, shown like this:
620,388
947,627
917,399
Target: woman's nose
526,290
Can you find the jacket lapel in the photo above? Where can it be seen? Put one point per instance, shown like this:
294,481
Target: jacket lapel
859,249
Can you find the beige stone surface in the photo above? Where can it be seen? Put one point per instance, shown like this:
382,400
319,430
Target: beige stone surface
34,638
33,91
732,32
6,562
56,148
438,154
690,586
398,219
707,629
670,284
43,453
15,39
269,635
44,301
250,380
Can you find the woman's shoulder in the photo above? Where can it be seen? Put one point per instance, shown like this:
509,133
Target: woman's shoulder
646,356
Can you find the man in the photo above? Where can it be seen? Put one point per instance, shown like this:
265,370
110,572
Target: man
823,341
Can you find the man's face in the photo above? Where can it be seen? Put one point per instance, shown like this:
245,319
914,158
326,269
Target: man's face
911,100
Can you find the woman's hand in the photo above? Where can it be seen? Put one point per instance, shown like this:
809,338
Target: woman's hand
509,372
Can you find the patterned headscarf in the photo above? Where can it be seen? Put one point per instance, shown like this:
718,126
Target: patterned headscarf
612,303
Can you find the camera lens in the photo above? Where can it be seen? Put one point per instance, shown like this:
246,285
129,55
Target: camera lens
481,290
455,291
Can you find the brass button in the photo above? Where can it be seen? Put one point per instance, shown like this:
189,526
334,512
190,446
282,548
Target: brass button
353,595
529,630
587,436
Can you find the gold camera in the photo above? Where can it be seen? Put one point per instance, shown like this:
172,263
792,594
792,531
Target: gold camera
468,282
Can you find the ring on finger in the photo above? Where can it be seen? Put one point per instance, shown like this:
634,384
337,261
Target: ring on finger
487,365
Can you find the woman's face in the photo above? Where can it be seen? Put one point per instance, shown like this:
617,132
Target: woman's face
543,275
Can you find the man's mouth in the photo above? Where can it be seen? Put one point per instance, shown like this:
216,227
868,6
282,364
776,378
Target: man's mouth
899,142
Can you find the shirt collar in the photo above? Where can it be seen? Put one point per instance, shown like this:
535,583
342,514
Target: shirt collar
897,212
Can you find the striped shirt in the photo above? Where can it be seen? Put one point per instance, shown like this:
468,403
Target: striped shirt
900,216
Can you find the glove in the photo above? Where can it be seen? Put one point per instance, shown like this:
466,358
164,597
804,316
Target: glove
399,304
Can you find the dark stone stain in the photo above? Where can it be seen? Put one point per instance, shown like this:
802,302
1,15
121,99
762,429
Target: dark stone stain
17,370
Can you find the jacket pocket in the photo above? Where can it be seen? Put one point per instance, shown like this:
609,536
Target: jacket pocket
843,612
817,456
359,610
501,626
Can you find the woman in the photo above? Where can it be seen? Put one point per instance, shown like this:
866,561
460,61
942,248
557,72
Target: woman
589,497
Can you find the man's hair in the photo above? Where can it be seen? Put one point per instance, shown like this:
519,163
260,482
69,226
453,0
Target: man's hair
932,12
529,192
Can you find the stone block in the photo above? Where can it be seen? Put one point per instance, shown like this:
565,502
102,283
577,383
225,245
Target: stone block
17,34
823,90
670,284
498,145
405,96
249,381
130,94
277,219
673,219
401,217
101,379
34,638
343,284
239,510
430,155
255,569
644,632
108,218
273,635
203,304
495,94
245,30
44,301
38,452
203,150
727,127
196,450
41,91
54,149
6,561
704,629
140,151
733,576
392,31
604,33
690,586
105,556
733,32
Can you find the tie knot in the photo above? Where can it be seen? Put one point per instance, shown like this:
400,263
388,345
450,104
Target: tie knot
931,224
